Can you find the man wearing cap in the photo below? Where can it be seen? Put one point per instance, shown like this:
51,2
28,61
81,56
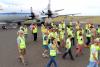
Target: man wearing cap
21,46
94,61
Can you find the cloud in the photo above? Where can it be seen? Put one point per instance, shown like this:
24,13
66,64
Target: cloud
88,7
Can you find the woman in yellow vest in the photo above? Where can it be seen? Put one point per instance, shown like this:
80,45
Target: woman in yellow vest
21,46
80,43
53,53
34,31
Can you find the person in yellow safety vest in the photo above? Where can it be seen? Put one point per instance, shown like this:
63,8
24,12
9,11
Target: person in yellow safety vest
78,32
25,31
94,60
80,43
59,42
45,44
62,35
56,36
88,37
68,47
53,53
34,31
72,36
55,33
61,26
21,46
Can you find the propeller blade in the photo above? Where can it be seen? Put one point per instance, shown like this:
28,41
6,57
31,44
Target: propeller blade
72,14
58,10
43,11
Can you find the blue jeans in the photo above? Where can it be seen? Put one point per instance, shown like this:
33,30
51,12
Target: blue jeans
52,60
92,64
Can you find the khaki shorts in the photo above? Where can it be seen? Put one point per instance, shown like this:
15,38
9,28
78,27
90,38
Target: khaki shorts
22,51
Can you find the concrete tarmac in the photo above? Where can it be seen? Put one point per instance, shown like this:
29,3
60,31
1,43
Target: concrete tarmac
9,52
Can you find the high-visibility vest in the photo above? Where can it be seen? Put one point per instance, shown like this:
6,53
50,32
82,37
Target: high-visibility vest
98,30
25,31
42,29
70,23
89,33
45,41
35,30
70,32
93,47
58,38
50,35
61,26
22,42
86,26
52,52
68,44
80,40
78,32
62,34
55,34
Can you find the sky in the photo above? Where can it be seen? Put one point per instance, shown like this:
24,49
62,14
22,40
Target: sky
85,7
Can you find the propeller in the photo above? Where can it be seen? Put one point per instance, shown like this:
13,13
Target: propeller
32,13
49,13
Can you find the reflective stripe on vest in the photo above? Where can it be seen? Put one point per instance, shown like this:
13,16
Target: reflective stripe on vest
52,52
22,42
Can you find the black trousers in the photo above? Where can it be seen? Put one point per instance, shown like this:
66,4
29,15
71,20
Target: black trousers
68,51
73,41
88,41
35,36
